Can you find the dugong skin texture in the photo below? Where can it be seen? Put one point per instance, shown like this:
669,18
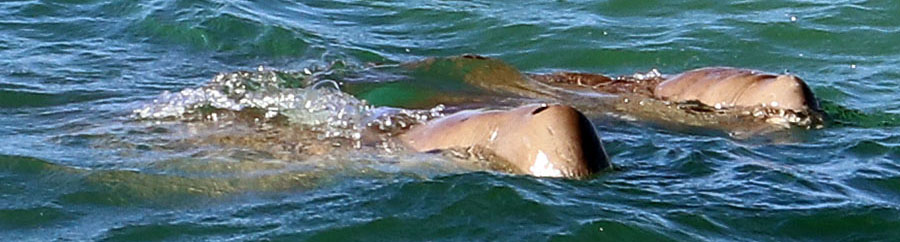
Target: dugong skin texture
538,139
733,87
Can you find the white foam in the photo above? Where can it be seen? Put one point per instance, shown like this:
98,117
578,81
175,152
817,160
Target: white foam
321,106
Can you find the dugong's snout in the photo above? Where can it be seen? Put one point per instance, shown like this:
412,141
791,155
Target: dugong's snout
566,140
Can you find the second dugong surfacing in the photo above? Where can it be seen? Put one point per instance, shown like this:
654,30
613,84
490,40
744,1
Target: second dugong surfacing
742,101
725,87
539,139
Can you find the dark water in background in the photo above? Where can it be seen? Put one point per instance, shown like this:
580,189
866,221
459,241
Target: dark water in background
71,72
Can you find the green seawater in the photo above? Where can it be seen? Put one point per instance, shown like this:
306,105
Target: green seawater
75,165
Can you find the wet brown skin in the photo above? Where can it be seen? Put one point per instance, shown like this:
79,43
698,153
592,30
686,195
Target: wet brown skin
537,139
567,139
742,102
726,86
726,98
722,87
598,83
733,87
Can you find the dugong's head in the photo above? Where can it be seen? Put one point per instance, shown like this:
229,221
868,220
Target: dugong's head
538,139
732,87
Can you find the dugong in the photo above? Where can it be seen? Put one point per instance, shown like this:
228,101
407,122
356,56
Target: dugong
731,98
538,139
725,87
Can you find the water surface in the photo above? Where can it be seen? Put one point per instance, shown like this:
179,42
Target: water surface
75,164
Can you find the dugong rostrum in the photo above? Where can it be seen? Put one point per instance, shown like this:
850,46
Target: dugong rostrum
538,139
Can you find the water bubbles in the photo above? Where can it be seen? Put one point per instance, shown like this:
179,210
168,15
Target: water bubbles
653,73
322,106
394,120
326,84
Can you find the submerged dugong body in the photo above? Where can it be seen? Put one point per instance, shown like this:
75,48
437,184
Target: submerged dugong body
740,100
724,87
538,139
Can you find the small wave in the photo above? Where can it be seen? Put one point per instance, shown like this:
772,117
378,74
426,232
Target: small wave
842,116
226,33
32,217
184,231
22,98
24,165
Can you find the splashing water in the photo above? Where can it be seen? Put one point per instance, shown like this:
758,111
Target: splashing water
321,107
237,91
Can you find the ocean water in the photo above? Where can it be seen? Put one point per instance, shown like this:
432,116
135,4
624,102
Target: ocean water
80,161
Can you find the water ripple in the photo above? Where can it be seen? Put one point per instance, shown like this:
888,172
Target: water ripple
76,167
